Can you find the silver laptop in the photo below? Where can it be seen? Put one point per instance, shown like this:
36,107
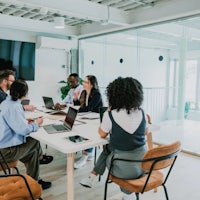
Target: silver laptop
48,102
67,124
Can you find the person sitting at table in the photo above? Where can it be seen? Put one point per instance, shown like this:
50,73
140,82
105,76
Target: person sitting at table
73,94
90,100
14,129
125,123
7,77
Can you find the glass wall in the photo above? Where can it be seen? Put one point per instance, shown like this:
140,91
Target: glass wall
164,58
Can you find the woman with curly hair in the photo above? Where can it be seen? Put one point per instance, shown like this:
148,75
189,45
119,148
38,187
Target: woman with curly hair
125,123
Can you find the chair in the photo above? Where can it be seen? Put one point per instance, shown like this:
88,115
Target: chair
15,185
149,134
153,161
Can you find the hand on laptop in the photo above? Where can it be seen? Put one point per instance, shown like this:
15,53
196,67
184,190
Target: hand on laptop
58,106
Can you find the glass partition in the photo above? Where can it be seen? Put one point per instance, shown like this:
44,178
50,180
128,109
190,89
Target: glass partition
165,58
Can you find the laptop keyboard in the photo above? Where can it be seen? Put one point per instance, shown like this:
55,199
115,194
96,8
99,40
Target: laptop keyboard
59,127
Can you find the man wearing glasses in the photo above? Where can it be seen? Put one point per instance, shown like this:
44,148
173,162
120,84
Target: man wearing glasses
7,77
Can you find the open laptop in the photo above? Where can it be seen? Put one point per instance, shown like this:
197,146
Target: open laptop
48,102
25,102
67,124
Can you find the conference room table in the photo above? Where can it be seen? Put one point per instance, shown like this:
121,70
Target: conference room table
86,126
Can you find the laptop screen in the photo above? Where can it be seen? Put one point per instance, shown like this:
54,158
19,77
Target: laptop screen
70,117
48,102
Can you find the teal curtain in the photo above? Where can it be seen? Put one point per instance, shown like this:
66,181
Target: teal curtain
22,55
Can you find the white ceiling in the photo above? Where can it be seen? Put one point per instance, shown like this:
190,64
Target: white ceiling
85,17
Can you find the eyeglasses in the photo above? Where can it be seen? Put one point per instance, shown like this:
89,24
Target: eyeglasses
10,80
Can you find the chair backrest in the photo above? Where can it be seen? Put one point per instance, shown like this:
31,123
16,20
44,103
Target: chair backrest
101,112
148,119
162,156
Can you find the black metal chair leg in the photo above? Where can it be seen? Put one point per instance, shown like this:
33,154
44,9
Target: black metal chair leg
137,196
105,191
165,189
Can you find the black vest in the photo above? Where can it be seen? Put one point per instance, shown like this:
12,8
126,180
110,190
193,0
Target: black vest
130,141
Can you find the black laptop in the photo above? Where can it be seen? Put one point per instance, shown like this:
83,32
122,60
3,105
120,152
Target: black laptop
67,124
48,102
25,102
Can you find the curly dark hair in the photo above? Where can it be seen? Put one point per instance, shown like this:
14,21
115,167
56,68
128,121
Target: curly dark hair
126,93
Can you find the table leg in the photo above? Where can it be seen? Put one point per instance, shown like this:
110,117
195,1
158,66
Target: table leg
150,146
70,176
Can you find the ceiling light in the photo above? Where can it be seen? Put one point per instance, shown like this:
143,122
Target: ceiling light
59,22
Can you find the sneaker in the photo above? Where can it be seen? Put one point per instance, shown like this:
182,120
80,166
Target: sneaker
89,181
128,196
81,162
44,184
46,159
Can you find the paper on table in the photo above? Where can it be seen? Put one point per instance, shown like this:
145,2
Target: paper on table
91,115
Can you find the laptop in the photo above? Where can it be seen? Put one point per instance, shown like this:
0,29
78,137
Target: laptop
67,124
48,102
25,102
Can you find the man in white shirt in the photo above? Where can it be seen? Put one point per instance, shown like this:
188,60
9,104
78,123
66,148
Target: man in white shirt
73,94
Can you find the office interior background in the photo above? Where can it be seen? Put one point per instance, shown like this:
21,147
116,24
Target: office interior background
156,42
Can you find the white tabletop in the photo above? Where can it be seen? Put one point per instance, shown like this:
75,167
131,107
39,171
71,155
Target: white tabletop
88,129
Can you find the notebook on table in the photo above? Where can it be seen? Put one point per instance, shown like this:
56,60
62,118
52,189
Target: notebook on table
67,124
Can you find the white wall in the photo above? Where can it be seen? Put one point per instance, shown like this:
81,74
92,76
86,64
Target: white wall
48,72
143,66
49,64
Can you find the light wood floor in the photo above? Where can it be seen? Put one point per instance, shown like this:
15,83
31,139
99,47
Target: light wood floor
183,183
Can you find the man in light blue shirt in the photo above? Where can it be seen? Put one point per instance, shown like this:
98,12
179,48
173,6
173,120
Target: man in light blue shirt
15,129
73,94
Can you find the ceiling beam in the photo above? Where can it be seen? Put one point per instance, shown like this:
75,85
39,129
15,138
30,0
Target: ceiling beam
79,8
163,11
19,23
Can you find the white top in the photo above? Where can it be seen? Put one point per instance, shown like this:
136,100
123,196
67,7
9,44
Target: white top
129,122
70,96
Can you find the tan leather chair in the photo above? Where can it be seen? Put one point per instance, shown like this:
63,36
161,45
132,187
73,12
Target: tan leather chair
15,186
153,161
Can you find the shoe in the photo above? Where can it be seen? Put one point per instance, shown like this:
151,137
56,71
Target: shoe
89,181
81,162
46,159
128,196
44,184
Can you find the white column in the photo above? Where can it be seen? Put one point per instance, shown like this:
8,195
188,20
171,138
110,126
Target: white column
181,82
